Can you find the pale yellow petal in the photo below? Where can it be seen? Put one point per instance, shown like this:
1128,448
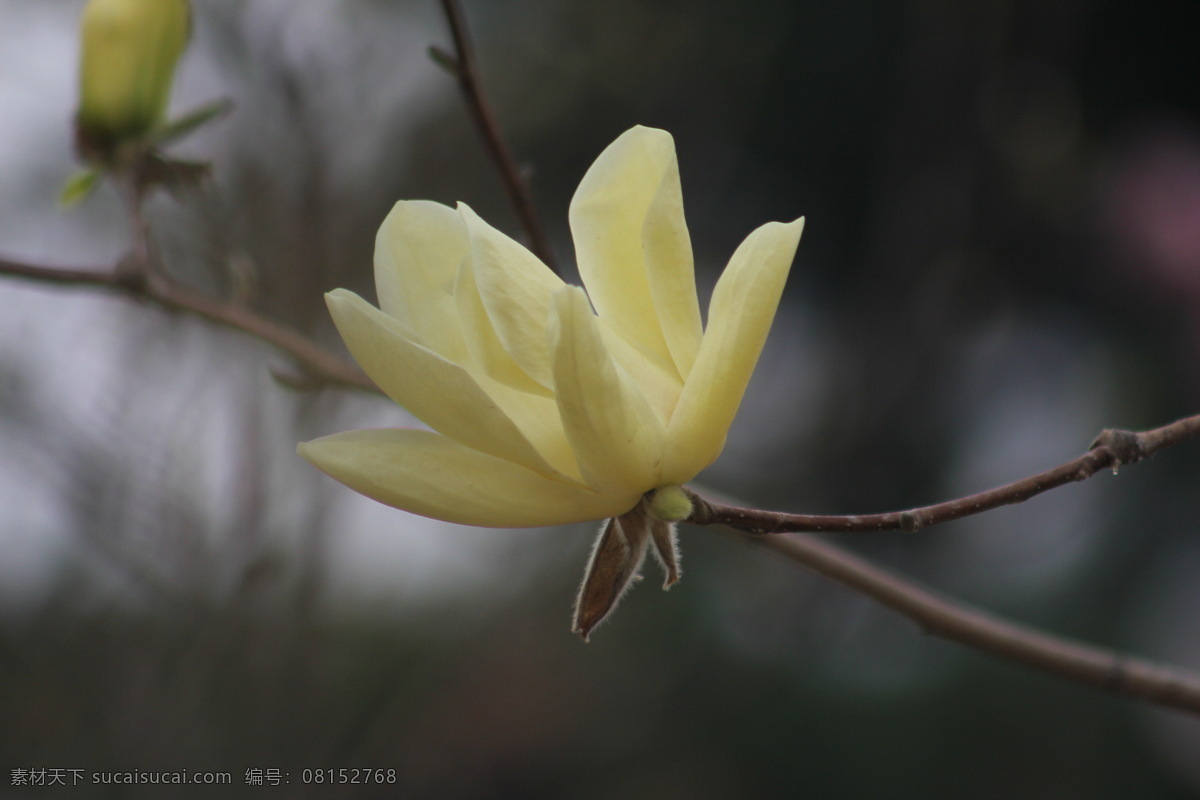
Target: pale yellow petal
633,248
486,349
537,417
739,318
438,392
417,254
616,435
657,379
515,288
669,268
428,474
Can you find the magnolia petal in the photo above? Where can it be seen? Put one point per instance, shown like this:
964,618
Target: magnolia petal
670,270
438,392
538,419
485,347
627,222
515,288
417,254
739,318
657,380
428,474
615,433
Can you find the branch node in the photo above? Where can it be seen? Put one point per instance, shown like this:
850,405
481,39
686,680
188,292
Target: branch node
911,522
132,275
1125,446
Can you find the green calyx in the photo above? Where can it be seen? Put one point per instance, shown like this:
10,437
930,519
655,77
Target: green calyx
670,504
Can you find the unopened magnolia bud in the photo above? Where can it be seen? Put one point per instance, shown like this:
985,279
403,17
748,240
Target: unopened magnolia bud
130,49
670,504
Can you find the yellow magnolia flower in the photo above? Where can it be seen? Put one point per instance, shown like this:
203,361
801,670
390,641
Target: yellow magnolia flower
543,411
130,49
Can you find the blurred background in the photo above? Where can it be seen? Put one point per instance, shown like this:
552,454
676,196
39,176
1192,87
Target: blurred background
1002,257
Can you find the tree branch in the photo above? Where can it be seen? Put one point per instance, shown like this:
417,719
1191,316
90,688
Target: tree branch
1113,448
937,615
320,364
463,65
954,621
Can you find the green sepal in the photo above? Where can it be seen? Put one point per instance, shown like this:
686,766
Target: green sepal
177,129
79,186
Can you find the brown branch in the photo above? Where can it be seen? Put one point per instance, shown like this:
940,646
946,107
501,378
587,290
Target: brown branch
465,70
322,365
1112,449
951,620
939,616
1126,675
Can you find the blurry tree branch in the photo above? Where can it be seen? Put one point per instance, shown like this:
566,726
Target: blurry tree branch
957,622
464,68
320,365
1112,448
954,620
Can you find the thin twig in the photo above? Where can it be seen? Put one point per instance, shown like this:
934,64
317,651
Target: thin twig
467,73
140,263
954,621
321,364
1113,448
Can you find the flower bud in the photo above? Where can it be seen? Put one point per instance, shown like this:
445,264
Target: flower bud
130,49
